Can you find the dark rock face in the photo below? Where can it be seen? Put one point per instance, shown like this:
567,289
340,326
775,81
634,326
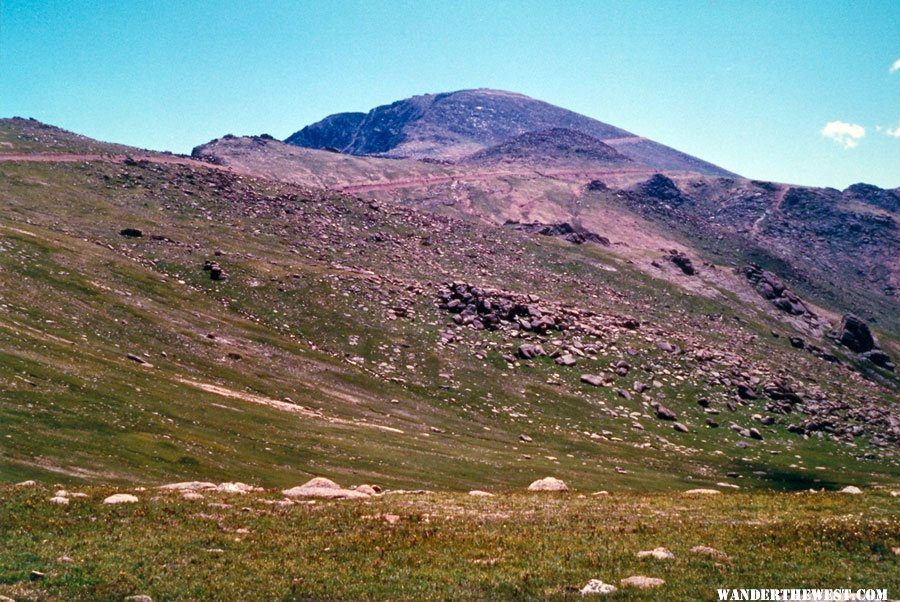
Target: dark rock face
333,132
574,234
854,334
452,126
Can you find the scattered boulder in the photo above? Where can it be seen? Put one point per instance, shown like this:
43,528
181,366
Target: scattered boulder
593,380
662,188
879,358
189,486
681,428
121,498
770,287
854,334
236,488
320,487
26,484
682,261
215,270
131,232
702,492
641,582
529,351
59,500
573,234
369,490
710,553
657,553
479,493
664,413
548,484
597,587
139,598
566,360
851,489
746,391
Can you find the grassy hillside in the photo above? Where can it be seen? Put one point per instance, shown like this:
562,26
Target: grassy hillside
302,362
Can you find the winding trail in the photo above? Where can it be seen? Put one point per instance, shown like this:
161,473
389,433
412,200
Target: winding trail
775,208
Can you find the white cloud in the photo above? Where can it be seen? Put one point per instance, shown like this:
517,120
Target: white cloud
845,134
896,66
895,132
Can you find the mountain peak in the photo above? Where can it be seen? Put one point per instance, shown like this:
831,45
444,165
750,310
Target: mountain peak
452,126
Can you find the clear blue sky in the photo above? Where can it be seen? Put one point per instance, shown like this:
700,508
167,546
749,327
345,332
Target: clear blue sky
748,85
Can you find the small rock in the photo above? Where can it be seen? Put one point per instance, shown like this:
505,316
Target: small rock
851,489
710,552
702,492
681,428
62,501
641,582
139,598
36,575
566,360
592,379
657,553
121,498
189,486
548,484
525,438
324,488
26,484
595,586
368,489
479,493
236,488
664,413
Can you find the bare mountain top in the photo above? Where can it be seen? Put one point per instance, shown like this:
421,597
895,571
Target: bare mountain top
553,146
454,125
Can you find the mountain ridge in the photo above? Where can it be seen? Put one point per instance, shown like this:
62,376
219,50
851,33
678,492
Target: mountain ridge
452,125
